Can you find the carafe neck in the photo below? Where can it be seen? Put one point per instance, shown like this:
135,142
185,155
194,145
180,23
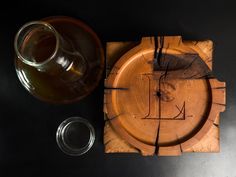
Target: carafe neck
39,45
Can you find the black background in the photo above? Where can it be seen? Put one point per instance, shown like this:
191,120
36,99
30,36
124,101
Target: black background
28,126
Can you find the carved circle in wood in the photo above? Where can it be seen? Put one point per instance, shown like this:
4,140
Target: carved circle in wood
162,102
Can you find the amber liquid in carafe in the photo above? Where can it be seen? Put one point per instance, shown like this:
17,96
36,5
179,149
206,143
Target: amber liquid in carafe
39,49
71,84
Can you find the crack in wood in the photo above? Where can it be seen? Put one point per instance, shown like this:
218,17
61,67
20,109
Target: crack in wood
219,104
115,88
157,139
158,55
112,118
219,88
179,142
106,143
156,47
160,50
190,64
181,148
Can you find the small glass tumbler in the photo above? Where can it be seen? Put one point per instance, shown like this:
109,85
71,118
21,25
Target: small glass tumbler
75,136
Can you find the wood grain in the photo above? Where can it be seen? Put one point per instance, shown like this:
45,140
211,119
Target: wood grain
150,109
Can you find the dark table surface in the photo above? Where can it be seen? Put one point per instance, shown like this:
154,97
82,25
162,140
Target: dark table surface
28,126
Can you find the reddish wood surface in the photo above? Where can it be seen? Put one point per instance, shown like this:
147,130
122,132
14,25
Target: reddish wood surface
155,111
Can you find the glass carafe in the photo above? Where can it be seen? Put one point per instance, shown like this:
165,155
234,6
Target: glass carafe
58,59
